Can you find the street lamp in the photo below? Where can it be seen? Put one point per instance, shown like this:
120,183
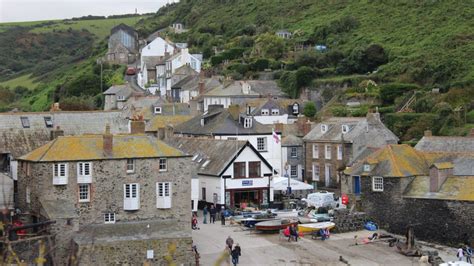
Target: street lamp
288,191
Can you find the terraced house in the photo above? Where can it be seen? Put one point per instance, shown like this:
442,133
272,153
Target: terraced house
119,199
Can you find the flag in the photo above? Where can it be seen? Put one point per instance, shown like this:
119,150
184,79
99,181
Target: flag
275,136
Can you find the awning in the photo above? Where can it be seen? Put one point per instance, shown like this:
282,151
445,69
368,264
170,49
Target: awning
281,183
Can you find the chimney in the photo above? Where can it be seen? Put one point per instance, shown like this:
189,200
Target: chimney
279,127
234,110
428,133
306,128
137,127
55,107
373,118
56,133
108,141
201,87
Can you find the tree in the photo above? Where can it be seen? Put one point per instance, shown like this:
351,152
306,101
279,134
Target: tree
304,76
270,46
309,109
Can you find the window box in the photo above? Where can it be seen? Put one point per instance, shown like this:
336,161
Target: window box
131,197
60,174
163,195
377,183
84,172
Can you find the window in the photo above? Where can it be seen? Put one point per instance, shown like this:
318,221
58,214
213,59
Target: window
247,122
131,197
264,112
345,129
109,218
275,111
84,172
239,170
315,151
84,192
60,174
366,167
130,165
254,169
339,152
294,171
25,122
203,194
48,121
120,98
195,157
163,165
327,151
294,152
206,163
315,172
261,144
296,109
324,128
163,195
157,110
377,183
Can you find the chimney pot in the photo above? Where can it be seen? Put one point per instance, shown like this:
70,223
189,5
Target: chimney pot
201,88
108,140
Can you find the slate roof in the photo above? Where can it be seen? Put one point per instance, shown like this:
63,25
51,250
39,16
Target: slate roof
446,144
282,104
187,83
291,140
219,153
17,140
162,121
125,28
153,61
220,122
90,147
230,89
143,105
124,90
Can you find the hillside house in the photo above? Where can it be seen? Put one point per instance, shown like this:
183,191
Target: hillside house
271,111
178,27
122,45
336,142
285,34
116,96
115,197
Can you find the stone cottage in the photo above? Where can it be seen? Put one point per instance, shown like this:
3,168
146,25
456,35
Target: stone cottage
335,142
116,199
122,45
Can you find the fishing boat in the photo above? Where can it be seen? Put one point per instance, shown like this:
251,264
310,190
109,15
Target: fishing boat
250,222
308,228
245,215
285,213
275,225
306,220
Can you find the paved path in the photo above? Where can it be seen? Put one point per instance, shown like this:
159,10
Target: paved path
270,249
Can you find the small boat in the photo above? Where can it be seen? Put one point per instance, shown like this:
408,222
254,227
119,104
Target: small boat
286,213
251,221
275,225
245,215
306,220
308,228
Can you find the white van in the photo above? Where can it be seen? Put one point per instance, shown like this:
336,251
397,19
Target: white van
321,199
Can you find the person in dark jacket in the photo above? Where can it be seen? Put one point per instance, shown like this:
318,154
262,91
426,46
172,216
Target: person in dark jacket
222,215
229,242
236,254
204,215
293,233
213,213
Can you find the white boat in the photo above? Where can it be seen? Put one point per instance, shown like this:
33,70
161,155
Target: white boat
285,213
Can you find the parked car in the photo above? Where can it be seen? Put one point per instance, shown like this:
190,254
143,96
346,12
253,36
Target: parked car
321,199
131,71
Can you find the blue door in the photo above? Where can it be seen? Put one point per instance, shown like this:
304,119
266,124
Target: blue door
356,185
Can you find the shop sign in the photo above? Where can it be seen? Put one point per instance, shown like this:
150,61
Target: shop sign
246,183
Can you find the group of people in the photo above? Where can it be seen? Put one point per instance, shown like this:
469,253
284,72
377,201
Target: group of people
291,232
464,252
234,251
212,214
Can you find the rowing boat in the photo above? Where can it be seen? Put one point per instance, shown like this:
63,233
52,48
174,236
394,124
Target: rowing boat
308,228
275,225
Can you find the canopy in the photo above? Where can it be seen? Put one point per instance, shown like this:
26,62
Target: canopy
281,183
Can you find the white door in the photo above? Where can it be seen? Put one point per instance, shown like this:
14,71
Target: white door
163,195
327,175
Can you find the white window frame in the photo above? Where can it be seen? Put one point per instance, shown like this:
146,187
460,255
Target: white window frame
296,108
88,192
120,98
377,183
327,152
345,129
132,169
264,112
366,167
247,122
109,218
339,152
84,176
262,146
294,171
163,195
157,110
131,196
315,151
324,128
60,173
275,111
294,152
163,165
316,172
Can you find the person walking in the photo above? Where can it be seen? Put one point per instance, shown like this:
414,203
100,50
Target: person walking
222,215
213,212
293,233
468,251
236,252
229,242
204,214
460,253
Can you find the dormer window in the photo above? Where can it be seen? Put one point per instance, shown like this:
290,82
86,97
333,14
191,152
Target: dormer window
157,110
324,128
366,167
275,111
264,112
296,109
120,98
345,129
247,122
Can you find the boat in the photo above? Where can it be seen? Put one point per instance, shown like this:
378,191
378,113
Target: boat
245,215
251,221
308,228
275,225
285,213
306,220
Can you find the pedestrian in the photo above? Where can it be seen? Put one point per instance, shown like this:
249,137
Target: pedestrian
194,222
460,253
468,251
213,212
229,242
222,215
204,214
293,233
236,254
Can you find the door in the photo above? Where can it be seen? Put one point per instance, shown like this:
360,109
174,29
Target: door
356,181
327,175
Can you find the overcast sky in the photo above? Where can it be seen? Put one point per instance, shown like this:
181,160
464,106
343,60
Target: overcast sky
31,10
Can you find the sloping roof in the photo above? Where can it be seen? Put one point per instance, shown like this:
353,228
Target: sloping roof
443,165
282,104
230,89
143,105
161,121
219,153
291,140
188,83
125,28
266,87
153,61
446,144
392,161
220,122
90,147
124,90
454,188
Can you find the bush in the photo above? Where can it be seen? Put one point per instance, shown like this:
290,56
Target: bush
339,111
260,64
216,60
470,117
309,109
304,76
389,92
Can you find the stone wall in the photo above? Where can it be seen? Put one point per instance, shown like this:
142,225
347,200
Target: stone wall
348,222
